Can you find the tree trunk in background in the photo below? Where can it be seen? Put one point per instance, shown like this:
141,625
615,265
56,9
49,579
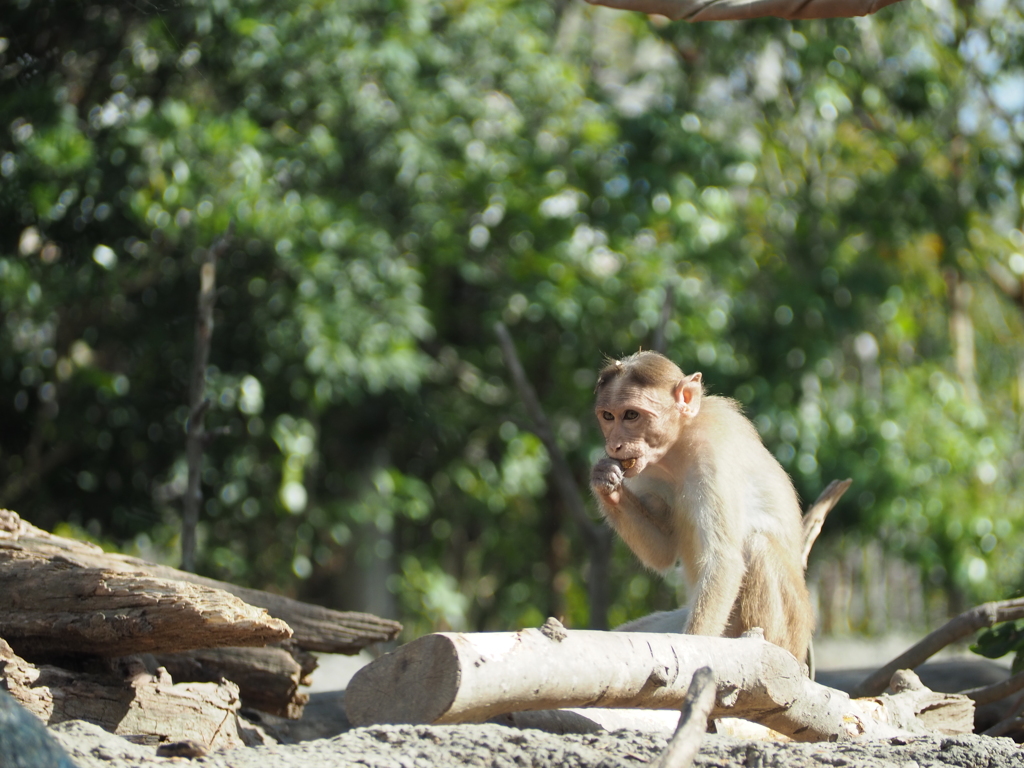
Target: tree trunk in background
961,333
361,583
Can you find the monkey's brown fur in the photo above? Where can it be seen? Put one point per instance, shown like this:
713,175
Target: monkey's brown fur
702,488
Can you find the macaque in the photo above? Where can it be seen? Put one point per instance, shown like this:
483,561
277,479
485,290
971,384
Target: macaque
688,478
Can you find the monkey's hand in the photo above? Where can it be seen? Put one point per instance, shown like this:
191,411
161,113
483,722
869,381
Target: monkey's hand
606,479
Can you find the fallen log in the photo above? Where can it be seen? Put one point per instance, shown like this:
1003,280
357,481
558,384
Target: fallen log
52,606
315,628
146,706
268,679
452,678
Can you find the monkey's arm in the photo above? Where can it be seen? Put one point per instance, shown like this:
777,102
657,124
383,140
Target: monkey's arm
720,570
644,523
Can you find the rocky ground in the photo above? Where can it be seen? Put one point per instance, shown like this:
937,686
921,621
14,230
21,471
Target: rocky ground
495,746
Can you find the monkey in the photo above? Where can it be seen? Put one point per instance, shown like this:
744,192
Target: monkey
687,478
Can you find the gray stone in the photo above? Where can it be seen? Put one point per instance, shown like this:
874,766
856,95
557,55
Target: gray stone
92,746
24,740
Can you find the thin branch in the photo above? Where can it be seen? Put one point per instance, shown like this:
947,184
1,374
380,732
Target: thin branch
198,404
724,10
563,476
964,625
996,691
1009,724
1005,727
598,538
818,511
693,722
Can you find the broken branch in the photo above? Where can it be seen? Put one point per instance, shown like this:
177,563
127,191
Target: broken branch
967,623
693,722
814,519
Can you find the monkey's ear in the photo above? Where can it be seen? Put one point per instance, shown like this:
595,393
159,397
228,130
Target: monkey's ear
688,392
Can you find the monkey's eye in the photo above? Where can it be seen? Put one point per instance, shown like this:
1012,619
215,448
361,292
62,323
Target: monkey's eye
607,415
630,415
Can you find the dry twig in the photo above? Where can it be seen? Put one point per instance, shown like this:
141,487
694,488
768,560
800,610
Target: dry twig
693,722
818,511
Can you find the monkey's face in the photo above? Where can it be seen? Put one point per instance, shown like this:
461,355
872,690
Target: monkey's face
639,424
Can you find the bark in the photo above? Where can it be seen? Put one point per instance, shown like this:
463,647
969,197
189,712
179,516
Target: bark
315,628
735,10
268,679
146,706
452,678
50,606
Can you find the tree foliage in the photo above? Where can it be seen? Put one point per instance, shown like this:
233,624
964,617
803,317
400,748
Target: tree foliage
831,209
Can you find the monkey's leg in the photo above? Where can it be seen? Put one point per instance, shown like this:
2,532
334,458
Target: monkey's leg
774,597
715,593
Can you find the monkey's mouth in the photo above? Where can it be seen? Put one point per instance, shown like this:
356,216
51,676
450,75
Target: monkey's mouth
628,463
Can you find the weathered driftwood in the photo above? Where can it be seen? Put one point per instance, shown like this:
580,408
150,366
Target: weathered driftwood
52,606
315,628
452,677
268,679
146,706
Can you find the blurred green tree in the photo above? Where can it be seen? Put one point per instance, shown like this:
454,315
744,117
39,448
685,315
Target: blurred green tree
829,212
